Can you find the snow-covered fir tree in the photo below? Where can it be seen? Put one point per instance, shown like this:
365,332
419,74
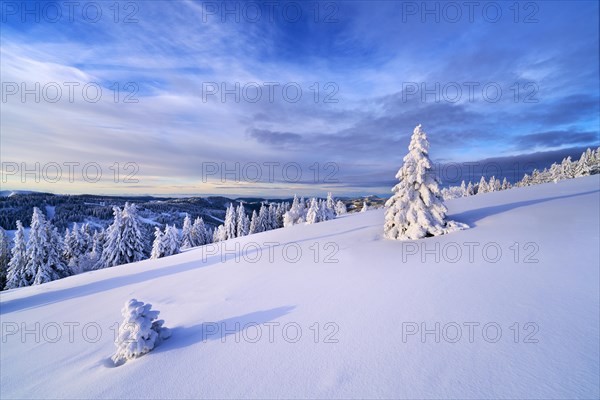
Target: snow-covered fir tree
272,212
219,234
18,275
302,209
243,223
157,244
365,207
253,223
187,240
340,208
171,241
4,256
505,184
140,332
132,238
230,223
483,186
263,219
313,214
200,234
44,250
330,207
293,214
470,189
416,209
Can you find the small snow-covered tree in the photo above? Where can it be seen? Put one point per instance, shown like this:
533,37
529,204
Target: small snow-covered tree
279,213
302,209
44,250
187,240
365,207
243,223
273,216
340,208
416,209
18,275
313,214
291,216
219,234
157,245
505,184
470,189
263,219
253,223
330,207
200,234
483,186
171,242
4,256
140,332
230,222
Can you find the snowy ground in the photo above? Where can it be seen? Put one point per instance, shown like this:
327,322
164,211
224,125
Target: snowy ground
358,307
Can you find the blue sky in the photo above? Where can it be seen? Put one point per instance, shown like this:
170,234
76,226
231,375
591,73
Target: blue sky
371,61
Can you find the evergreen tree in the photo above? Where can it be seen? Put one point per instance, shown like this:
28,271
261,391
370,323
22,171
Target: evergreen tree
132,244
340,208
243,223
365,207
157,245
111,254
170,240
219,234
18,275
4,256
483,186
312,216
200,235
230,222
416,209
187,239
140,332
291,216
44,250
463,189
263,219
330,207
253,223
470,189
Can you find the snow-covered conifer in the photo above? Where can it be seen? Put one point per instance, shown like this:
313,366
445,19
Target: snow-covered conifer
157,245
253,223
365,207
219,234
4,256
18,275
187,240
340,208
483,186
416,209
170,241
470,189
313,214
243,223
140,332
200,233
230,222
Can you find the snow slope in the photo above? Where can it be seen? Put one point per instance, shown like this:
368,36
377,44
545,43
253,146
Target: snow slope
368,301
